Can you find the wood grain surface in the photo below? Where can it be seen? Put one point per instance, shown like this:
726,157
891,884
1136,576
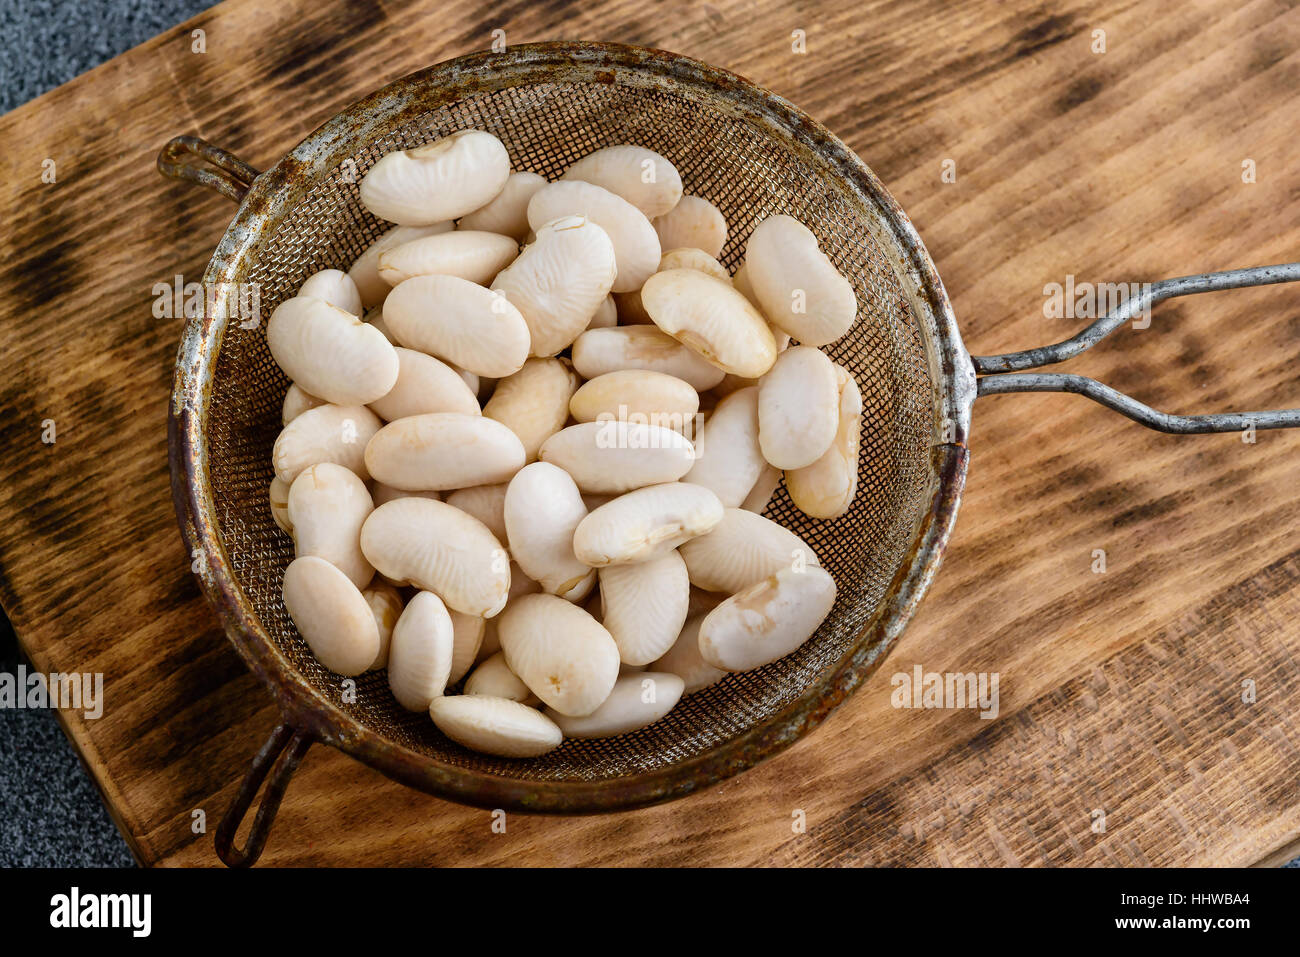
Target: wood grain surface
1122,692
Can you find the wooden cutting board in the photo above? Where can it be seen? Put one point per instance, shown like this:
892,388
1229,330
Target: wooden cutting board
1125,735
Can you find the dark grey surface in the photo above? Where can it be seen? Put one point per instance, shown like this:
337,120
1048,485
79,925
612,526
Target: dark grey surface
50,813
44,43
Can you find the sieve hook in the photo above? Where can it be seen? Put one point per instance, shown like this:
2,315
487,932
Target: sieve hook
993,383
279,757
231,178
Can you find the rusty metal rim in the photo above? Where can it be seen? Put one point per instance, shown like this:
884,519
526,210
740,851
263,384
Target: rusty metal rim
276,191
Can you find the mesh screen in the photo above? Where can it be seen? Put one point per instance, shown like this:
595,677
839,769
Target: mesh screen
748,173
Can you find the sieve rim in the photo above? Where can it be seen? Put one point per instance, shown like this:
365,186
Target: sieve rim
277,190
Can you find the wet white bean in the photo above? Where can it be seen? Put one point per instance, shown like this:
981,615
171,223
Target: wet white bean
598,351
767,620
327,505
825,489
327,433
437,547
645,524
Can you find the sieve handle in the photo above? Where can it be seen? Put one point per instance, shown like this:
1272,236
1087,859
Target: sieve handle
993,382
231,178
279,758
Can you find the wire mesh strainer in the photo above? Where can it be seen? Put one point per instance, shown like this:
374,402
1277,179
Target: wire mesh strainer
753,155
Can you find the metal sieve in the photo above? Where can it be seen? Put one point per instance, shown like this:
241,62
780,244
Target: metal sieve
753,155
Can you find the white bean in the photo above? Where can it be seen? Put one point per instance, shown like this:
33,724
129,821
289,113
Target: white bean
637,699
798,408
497,726
614,456
469,254
419,656
460,322
693,222
329,352
563,654
606,314
520,584
559,280
386,606
761,494
636,244
297,400
365,271
494,678
534,402
800,289
826,488
331,615
467,639
424,384
689,257
683,659
443,450
645,524
441,180
439,548
741,281
508,213
767,620
542,509
710,317
335,287
487,503
744,548
598,351
328,504
327,433
728,459
644,178
644,606
633,395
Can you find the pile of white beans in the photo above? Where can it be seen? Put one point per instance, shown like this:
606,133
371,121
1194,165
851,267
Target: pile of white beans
467,503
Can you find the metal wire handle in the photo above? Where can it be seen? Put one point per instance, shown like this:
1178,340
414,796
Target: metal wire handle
992,383
279,758
232,176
